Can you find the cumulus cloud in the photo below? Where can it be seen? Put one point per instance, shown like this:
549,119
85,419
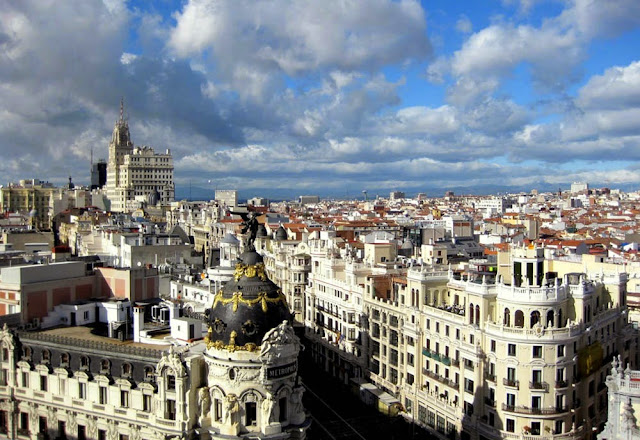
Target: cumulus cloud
296,94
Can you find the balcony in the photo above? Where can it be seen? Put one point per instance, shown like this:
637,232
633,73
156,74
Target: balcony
511,383
540,386
534,411
490,377
439,378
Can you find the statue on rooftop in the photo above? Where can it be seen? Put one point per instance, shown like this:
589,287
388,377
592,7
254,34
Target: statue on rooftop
249,224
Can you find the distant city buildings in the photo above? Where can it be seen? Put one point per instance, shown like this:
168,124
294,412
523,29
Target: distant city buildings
308,200
227,197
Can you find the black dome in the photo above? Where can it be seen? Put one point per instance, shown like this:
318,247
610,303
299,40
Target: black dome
247,307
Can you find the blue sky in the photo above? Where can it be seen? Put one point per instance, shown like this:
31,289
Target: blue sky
288,97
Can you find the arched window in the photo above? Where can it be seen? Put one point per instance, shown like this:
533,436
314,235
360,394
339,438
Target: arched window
149,373
560,323
46,356
535,318
471,313
477,314
507,317
126,369
26,353
84,362
64,359
519,319
105,366
550,319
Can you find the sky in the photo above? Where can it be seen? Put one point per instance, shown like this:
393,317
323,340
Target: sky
331,97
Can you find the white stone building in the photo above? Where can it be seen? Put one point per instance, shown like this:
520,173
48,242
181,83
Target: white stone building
136,175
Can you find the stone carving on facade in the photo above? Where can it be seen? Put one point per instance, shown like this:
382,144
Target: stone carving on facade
92,427
297,411
6,337
33,414
270,410
134,432
72,422
231,409
112,430
173,361
204,403
276,337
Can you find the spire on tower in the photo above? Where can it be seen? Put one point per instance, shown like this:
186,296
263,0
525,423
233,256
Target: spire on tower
122,109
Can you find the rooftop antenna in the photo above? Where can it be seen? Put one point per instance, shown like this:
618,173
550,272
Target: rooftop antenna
122,109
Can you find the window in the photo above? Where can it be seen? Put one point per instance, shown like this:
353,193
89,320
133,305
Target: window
511,399
124,398
283,409
171,382
171,410
25,379
468,385
46,356
146,402
42,425
82,430
493,346
536,402
126,369
103,395
511,349
105,366
24,422
82,390
64,359
535,428
217,409
43,383
250,413
537,351
560,350
84,363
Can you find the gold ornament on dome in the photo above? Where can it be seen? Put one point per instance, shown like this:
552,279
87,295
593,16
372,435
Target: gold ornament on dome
237,298
219,345
250,271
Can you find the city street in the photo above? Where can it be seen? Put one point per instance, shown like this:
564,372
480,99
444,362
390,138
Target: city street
338,414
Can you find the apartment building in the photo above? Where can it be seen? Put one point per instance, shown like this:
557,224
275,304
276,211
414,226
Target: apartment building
514,347
31,197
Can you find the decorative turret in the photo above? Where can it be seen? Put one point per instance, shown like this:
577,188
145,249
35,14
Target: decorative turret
246,308
252,356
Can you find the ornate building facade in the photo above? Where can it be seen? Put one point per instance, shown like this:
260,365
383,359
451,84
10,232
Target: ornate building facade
136,174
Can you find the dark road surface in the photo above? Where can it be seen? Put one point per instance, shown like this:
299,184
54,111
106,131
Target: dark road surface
338,414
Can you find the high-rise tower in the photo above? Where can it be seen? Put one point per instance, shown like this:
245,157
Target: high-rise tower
136,174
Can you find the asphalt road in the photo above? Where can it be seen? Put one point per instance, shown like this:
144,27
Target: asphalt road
338,414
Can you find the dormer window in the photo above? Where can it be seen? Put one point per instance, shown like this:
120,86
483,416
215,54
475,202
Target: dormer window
26,353
46,356
126,369
149,374
84,363
64,359
105,366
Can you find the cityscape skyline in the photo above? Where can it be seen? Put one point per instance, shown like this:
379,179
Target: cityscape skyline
392,95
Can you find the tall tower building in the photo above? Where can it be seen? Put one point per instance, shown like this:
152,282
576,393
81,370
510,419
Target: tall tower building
136,174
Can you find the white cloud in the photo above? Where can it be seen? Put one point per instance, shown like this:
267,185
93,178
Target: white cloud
617,88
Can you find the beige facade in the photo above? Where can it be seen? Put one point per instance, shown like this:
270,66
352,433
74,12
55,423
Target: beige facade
136,175
30,197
